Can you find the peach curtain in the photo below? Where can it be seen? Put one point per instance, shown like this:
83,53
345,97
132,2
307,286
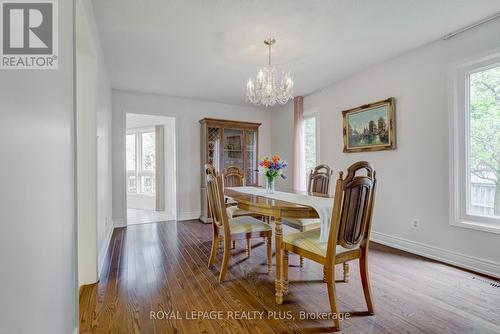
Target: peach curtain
298,183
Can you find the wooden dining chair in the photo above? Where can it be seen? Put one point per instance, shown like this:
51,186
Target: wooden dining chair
319,183
233,177
239,228
319,179
348,236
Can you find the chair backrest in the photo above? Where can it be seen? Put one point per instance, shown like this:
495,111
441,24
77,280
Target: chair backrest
319,180
233,177
352,208
216,199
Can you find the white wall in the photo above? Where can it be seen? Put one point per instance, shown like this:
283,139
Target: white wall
93,147
187,113
86,153
282,141
37,197
414,179
134,121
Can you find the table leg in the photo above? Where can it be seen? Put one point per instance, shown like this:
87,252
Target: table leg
278,236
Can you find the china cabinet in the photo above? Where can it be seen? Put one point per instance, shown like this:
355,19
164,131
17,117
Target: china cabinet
225,144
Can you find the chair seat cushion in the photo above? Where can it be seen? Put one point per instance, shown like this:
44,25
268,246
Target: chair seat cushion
300,223
247,224
309,241
234,211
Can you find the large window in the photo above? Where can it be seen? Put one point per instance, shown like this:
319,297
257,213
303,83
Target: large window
310,144
476,154
484,142
140,161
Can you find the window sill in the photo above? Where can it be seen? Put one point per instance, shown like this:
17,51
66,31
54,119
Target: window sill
491,228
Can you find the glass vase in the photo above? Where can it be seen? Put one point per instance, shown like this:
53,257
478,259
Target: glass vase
270,185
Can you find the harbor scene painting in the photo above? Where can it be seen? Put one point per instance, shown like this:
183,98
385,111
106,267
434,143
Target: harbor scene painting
369,127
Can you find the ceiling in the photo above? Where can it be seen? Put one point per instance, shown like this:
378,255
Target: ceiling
208,49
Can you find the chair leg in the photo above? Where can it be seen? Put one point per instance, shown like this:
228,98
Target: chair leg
225,260
324,274
301,260
285,272
234,244
365,281
265,220
213,252
345,266
249,247
330,283
269,255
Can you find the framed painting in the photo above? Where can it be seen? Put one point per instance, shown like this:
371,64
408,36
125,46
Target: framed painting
370,127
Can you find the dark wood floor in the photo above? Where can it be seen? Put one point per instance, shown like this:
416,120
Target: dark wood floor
162,267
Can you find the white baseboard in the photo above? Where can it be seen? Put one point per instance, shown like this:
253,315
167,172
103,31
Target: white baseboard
119,222
104,249
482,266
189,215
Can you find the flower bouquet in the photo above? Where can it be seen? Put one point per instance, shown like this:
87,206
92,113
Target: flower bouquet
272,168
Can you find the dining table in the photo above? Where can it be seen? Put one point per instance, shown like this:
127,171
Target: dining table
264,204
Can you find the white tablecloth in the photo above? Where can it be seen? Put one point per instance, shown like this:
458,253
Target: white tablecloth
322,205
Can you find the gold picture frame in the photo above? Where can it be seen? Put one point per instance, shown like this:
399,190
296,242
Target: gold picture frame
370,127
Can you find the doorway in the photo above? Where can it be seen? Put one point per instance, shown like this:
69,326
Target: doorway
150,169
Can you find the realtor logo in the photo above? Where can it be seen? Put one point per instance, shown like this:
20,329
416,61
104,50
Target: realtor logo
28,34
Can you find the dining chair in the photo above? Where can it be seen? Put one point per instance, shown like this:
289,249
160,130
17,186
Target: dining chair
239,228
318,183
349,233
233,177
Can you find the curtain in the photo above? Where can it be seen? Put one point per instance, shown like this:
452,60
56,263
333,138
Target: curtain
298,183
160,167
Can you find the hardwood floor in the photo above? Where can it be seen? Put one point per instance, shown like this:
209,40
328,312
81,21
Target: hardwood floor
163,267
139,216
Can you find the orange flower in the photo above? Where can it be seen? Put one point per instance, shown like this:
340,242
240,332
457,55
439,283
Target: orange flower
276,158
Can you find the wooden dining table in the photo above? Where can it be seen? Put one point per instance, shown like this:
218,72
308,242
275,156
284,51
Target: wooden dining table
277,209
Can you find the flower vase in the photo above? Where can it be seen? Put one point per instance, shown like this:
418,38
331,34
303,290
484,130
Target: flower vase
270,185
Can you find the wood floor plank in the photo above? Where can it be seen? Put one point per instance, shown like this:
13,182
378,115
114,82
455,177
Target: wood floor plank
163,267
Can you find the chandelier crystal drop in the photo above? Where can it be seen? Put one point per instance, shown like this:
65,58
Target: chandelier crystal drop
267,88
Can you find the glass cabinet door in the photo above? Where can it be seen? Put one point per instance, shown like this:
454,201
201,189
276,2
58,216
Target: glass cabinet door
232,148
251,157
213,146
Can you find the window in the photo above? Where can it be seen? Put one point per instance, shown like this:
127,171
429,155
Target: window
131,163
310,145
148,151
484,142
476,142
140,148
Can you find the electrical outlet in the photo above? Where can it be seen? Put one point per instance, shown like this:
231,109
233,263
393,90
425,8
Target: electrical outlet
415,224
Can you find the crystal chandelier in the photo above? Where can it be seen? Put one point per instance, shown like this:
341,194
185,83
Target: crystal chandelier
267,88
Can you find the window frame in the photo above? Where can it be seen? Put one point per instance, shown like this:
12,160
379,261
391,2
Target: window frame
139,172
459,110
